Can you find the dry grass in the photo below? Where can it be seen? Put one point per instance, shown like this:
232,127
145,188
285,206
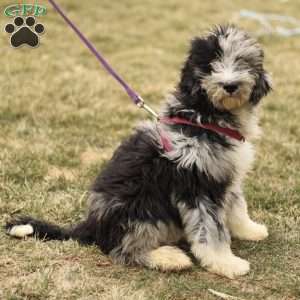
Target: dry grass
61,116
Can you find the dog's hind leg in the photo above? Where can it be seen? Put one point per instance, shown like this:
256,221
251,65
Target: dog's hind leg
238,220
210,240
151,246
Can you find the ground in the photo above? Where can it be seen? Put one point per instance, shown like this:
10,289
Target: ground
61,117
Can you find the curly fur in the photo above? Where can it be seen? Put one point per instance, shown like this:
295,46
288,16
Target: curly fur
146,200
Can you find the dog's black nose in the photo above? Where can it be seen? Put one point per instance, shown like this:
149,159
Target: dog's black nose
230,88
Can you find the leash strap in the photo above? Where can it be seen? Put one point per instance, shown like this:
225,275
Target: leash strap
136,98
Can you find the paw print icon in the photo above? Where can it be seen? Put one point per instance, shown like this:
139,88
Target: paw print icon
24,31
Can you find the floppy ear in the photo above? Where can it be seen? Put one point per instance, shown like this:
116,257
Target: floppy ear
202,52
188,79
261,88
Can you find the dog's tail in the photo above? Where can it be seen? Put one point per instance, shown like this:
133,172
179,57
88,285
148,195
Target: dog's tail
23,226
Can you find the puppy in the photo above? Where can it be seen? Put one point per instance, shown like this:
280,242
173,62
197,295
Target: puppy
148,197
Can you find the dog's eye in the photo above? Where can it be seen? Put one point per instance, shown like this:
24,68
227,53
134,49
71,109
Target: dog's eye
241,63
240,59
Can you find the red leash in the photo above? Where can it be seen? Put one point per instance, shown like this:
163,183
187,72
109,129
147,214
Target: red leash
166,143
213,127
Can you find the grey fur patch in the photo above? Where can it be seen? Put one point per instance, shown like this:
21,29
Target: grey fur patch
210,159
98,205
203,225
142,238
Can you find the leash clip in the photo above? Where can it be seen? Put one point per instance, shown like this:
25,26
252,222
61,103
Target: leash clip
141,104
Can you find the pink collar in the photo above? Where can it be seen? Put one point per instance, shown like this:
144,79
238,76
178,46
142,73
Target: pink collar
235,134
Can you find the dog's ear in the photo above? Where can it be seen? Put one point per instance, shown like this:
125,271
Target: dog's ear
262,87
202,51
187,80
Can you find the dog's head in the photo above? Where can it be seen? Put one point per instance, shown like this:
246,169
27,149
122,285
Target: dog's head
224,69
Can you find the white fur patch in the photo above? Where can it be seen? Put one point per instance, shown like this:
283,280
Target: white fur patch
220,261
237,43
187,151
238,220
213,160
21,231
168,258
249,230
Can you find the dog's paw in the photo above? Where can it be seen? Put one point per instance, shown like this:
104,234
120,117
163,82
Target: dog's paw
220,260
230,266
167,258
251,231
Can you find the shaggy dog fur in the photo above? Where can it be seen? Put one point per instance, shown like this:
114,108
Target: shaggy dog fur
147,199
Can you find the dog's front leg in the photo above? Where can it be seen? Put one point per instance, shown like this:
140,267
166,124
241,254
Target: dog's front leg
205,230
238,220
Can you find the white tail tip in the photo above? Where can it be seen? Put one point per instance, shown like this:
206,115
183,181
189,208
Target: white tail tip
21,231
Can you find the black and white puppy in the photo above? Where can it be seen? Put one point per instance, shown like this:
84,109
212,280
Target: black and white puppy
147,199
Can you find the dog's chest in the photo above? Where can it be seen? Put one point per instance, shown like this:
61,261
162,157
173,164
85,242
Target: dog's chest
215,160
242,158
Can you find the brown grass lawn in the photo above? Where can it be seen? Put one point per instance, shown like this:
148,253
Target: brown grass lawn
61,117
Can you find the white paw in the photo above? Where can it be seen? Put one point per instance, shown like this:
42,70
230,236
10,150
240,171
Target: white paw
20,231
251,231
220,260
167,258
229,266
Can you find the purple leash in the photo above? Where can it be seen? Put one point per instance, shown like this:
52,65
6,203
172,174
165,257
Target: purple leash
136,98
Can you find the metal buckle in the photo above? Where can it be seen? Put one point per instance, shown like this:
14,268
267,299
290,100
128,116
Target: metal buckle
147,108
